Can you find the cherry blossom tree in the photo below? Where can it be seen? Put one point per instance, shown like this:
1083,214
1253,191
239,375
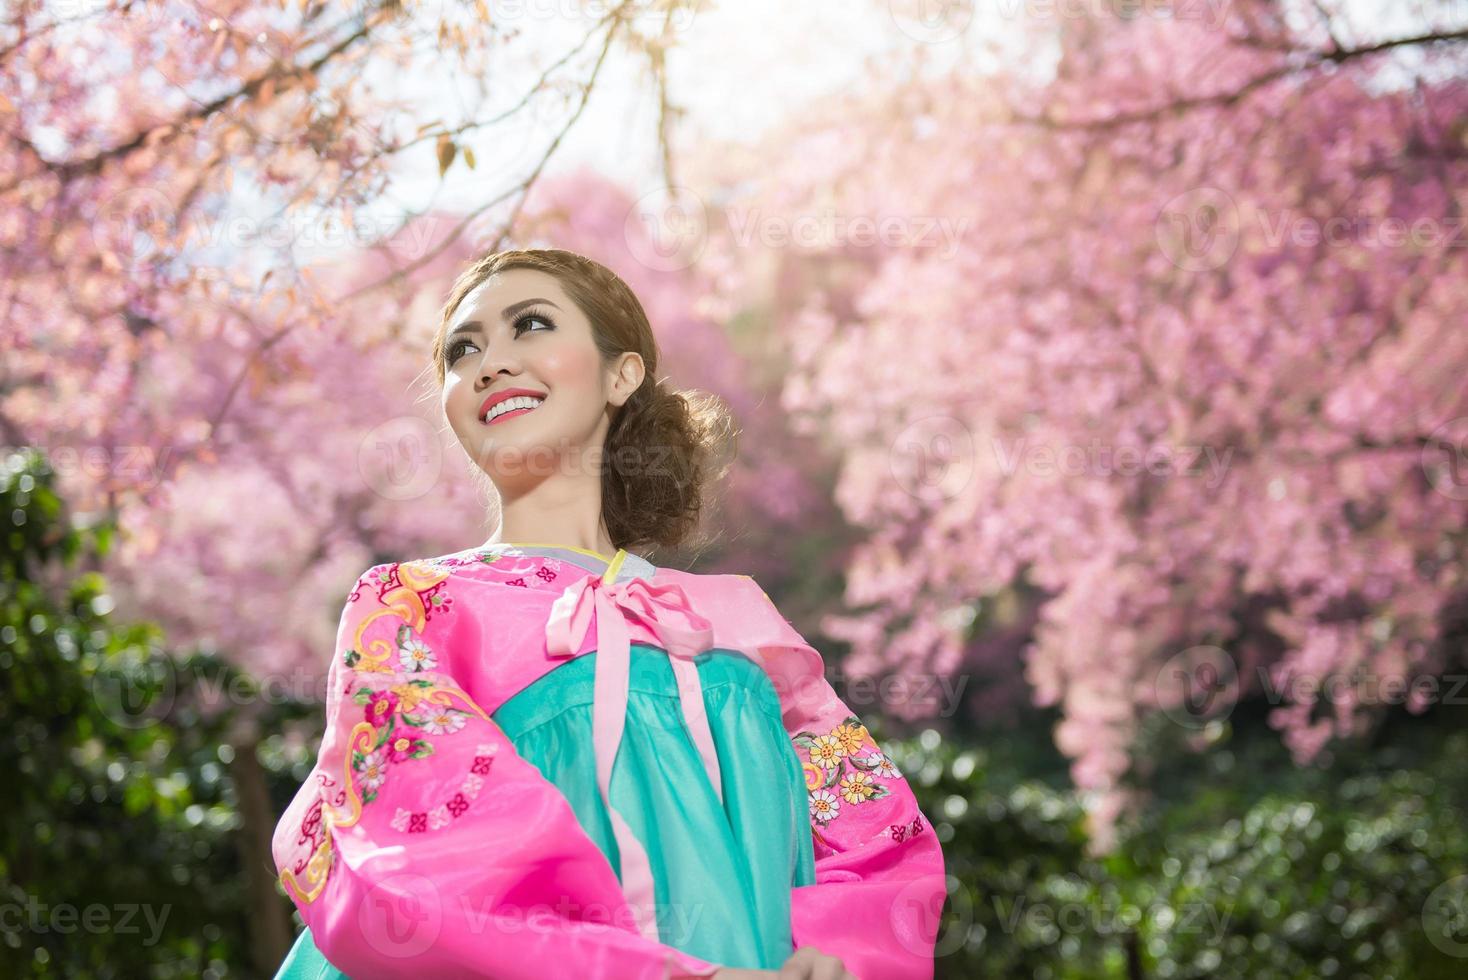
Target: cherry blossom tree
1146,358
247,414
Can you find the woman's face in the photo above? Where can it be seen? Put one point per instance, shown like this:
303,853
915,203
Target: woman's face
519,332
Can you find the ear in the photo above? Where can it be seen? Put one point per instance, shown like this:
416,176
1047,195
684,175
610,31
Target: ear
627,375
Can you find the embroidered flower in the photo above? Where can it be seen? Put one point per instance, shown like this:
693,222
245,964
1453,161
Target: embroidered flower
824,806
414,654
851,737
404,747
836,768
826,751
373,769
381,706
438,721
857,788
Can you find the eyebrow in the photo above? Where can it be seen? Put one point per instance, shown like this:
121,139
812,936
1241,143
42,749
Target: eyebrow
508,314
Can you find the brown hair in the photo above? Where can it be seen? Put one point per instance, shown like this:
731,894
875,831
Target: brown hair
663,445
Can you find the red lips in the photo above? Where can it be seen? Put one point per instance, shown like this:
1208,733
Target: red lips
500,396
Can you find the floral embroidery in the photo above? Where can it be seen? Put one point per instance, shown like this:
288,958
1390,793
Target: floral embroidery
826,752
381,705
522,565
394,737
857,788
370,757
902,831
441,721
414,654
411,592
837,769
373,767
824,806
421,821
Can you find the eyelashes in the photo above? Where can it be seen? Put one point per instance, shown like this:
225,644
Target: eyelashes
456,349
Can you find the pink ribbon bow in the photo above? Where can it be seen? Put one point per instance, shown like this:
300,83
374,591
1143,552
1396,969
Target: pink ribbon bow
684,634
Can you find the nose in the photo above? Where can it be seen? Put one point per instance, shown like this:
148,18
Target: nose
496,362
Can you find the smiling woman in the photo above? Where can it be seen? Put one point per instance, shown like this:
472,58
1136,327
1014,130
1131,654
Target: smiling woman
561,753
569,342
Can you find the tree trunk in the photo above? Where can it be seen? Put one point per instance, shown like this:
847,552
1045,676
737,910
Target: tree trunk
270,929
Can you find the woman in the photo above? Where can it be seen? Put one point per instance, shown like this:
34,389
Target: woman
465,816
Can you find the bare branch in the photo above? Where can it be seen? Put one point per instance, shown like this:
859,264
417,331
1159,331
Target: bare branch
1313,59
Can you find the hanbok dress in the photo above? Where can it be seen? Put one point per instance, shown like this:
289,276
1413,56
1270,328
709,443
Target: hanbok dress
541,761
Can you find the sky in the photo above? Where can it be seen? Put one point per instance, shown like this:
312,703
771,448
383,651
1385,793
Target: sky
735,69
739,65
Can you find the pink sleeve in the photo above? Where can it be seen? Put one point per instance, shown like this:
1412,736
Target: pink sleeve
879,888
422,844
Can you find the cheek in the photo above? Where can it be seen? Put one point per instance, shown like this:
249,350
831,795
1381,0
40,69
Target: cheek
569,367
574,377
455,396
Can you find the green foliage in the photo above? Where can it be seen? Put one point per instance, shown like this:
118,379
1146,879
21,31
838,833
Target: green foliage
1245,865
118,857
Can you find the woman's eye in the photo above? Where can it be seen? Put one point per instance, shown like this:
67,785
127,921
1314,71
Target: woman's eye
456,350
531,318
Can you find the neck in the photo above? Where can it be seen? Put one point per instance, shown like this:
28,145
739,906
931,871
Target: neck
562,507
567,530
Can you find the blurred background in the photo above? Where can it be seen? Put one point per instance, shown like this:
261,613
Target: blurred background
1100,368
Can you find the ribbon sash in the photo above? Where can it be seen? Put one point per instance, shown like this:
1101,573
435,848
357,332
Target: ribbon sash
684,634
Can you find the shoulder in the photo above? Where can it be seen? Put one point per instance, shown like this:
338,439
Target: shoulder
722,581
736,599
418,574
